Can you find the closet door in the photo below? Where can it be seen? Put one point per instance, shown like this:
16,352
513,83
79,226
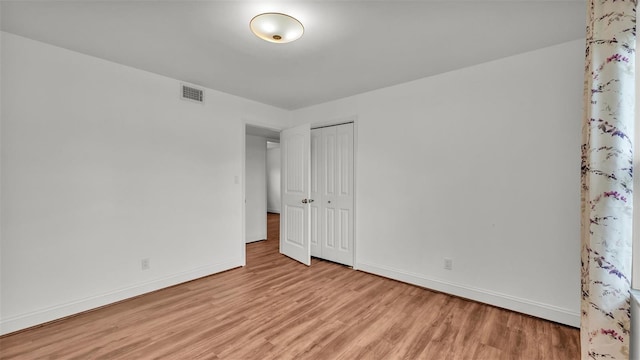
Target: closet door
295,191
337,195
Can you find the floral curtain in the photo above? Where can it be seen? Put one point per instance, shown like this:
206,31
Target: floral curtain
607,162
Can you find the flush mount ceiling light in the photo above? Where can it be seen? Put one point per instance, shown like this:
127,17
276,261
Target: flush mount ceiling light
276,27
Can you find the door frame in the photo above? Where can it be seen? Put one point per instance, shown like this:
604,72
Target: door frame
338,121
243,128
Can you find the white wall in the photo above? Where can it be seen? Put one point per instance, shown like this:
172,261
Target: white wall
273,179
102,166
256,188
481,165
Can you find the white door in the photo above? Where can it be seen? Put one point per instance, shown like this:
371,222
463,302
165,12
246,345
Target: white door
337,196
316,192
332,189
295,184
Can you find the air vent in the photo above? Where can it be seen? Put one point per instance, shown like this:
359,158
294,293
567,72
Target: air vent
192,94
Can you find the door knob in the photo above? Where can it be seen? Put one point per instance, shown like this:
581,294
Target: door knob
307,201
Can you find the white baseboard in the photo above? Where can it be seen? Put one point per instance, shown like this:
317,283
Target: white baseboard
537,309
41,316
275,211
256,237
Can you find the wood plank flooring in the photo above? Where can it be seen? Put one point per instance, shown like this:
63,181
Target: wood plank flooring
275,308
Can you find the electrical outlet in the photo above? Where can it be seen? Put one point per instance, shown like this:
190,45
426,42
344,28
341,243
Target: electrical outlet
448,264
144,264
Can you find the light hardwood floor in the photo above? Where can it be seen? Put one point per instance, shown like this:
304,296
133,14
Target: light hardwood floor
275,308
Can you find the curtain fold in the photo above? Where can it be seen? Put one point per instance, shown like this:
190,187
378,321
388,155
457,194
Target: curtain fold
607,178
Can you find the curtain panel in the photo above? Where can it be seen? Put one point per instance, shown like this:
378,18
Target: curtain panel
607,178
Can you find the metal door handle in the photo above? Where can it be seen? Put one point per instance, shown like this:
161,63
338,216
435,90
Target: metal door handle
307,201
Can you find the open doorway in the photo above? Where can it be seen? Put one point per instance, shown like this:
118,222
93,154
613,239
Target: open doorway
262,181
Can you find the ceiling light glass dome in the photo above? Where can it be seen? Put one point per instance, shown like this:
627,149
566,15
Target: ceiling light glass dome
276,27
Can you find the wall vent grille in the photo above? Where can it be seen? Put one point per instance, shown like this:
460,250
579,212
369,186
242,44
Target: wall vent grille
192,94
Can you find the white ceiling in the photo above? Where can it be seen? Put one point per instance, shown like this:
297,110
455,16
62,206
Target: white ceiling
348,47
